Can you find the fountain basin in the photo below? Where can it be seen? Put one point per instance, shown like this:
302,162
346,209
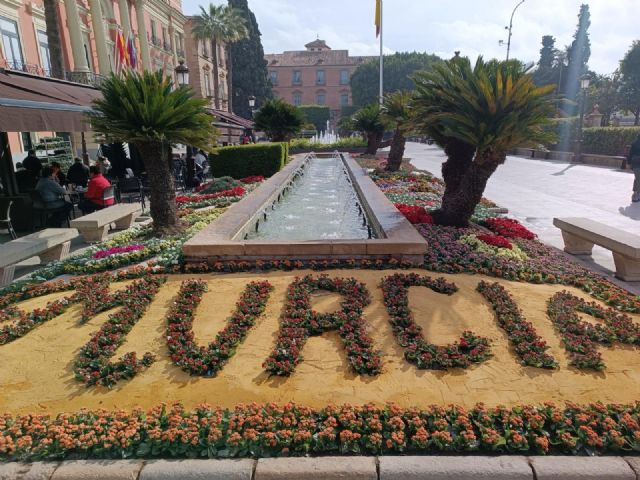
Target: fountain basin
228,237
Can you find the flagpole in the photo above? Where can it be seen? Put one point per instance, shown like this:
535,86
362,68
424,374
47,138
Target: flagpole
381,94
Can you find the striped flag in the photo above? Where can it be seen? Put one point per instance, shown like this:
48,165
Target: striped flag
131,51
378,20
123,56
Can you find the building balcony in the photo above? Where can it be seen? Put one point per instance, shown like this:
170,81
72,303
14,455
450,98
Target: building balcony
88,78
156,41
167,46
25,67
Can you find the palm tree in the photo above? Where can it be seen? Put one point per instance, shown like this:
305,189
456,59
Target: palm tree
52,20
144,109
369,121
279,120
235,30
477,114
220,24
396,110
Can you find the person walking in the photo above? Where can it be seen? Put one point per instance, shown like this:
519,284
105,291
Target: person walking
93,199
52,194
634,161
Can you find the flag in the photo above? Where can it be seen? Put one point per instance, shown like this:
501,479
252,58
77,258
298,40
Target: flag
131,51
378,20
123,57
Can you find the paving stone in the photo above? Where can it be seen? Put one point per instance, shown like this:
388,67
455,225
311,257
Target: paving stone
198,470
98,470
321,468
455,468
635,465
27,471
582,468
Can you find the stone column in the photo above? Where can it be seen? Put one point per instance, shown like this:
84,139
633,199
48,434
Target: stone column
97,21
125,20
142,35
75,34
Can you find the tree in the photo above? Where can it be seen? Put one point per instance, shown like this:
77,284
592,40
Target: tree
220,23
546,73
250,76
630,89
280,120
235,30
52,21
369,121
578,55
318,115
398,69
478,113
604,92
144,109
396,109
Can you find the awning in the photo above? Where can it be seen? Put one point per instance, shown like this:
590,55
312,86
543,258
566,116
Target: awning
230,120
29,103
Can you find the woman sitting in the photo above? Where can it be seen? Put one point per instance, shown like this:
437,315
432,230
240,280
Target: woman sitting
52,194
94,197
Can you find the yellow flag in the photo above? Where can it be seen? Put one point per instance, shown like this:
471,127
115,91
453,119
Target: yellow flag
378,21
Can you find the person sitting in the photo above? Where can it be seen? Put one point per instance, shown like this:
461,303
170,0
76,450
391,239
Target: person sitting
93,199
58,174
52,194
78,173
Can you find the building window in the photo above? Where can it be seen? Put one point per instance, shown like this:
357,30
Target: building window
344,99
223,93
344,77
43,42
273,76
154,37
207,84
205,48
320,80
27,143
165,40
297,99
11,43
321,99
297,77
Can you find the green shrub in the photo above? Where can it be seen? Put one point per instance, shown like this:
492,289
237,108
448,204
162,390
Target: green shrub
242,161
220,184
347,142
608,140
318,115
560,127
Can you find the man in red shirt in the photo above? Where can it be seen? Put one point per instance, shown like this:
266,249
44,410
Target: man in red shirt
94,197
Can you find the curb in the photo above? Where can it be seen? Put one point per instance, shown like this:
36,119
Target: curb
330,468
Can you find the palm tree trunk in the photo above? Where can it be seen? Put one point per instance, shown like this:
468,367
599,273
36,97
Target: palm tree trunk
459,158
229,80
216,73
164,210
459,204
51,17
397,151
373,141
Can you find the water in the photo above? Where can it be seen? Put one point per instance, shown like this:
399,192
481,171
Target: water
320,205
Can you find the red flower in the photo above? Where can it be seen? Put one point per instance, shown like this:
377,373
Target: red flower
414,213
509,228
495,241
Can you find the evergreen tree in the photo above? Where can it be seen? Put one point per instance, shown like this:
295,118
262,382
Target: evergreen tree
578,54
630,91
250,75
546,72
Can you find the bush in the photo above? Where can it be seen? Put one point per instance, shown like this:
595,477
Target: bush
318,115
242,161
221,184
560,127
608,140
343,143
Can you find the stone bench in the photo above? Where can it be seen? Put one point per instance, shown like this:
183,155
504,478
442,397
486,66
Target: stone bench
95,226
580,234
50,244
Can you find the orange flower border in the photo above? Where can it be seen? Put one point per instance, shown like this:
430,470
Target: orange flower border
264,430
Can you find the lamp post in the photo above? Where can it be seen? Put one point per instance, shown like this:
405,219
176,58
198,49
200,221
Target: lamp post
584,85
182,74
510,28
252,105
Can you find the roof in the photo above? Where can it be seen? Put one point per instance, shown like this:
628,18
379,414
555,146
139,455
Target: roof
301,58
29,103
317,44
231,118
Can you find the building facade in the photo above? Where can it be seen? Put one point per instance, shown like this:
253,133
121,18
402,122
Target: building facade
88,31
317,75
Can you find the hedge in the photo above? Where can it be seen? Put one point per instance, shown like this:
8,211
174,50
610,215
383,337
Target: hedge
608,140
318,115
242,161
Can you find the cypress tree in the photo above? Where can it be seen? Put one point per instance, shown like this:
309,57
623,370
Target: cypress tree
250,76
578,53
545,73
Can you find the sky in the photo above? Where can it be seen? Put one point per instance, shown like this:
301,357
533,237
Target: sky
443,26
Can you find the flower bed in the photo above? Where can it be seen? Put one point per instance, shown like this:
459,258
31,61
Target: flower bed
299,322
494,245
116,250
528,345
415,214
292,430
208,361
508,228
580,338
469,349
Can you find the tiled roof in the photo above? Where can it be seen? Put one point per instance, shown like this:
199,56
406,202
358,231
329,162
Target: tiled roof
305,58
317,44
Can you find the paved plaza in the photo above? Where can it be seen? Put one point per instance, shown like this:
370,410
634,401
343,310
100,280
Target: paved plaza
536,191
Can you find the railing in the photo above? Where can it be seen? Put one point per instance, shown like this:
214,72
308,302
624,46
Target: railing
155,41
25,67
167,46
86,78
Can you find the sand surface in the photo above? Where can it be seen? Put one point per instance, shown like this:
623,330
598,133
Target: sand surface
36,371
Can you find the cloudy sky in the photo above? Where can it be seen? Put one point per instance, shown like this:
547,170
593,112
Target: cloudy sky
443,26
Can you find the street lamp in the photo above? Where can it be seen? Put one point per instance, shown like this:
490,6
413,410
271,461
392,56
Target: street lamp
182,74
510,27
584,85
252,104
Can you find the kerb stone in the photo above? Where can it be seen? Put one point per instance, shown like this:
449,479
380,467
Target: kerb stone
582,468
27,471
197,470
455,468
98,470
321,468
